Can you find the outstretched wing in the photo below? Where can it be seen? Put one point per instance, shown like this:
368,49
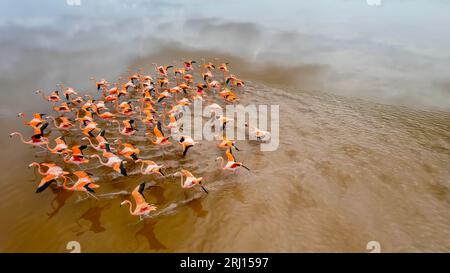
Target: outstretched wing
138,194
230,156
158,130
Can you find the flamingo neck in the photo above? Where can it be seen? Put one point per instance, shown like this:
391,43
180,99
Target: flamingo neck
65,184
142,167
181,180
130,206
118,124
21,137
100,160
54,121
51,149
39,166
221,162
92,144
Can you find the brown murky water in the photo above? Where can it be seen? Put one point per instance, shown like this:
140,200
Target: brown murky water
347,171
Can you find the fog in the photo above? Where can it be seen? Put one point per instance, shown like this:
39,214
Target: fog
396,53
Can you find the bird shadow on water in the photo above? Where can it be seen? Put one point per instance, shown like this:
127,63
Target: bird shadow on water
92,215
158,193
148,232
197,207
59,200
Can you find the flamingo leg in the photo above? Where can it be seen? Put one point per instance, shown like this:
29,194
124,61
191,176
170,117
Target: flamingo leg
90,194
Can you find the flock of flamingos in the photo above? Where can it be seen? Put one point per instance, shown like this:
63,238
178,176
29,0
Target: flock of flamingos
142,99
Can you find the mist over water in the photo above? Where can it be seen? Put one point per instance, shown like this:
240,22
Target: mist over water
396,53
364,95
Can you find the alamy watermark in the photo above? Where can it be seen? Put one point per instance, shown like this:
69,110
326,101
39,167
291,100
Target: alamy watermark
73,2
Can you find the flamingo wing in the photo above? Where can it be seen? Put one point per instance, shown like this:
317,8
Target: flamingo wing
138,194
158,130
230,156
45,182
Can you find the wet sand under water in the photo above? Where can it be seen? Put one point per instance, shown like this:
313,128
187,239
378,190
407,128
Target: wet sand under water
347,172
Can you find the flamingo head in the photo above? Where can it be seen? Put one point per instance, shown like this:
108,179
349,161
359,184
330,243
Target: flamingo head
198,181
33,164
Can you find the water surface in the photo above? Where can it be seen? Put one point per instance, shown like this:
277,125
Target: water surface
364,97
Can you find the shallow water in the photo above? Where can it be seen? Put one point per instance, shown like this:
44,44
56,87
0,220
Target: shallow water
348,170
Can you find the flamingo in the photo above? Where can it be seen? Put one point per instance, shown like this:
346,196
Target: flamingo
89,128
260,135
223,121
86,119
227,143
232,164
207,75
162,70
215,109
209,66
65,123
147,96
173,122
184,86
128,129
101,84
200,88
163,82
60,146
228,95
127,87
188,78
77,156
133,80
152,167
101,140
186,142
224,68
190,181
129,150
53,97
160,138
215,85
163,95
125,108
101,105
142,208
234,81
179,71
77,101
53,172
149,119
113,161
105,115
37,139
36,121
188,64
63,108
83,184
69,92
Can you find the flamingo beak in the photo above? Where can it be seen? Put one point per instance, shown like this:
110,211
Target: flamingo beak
203,188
